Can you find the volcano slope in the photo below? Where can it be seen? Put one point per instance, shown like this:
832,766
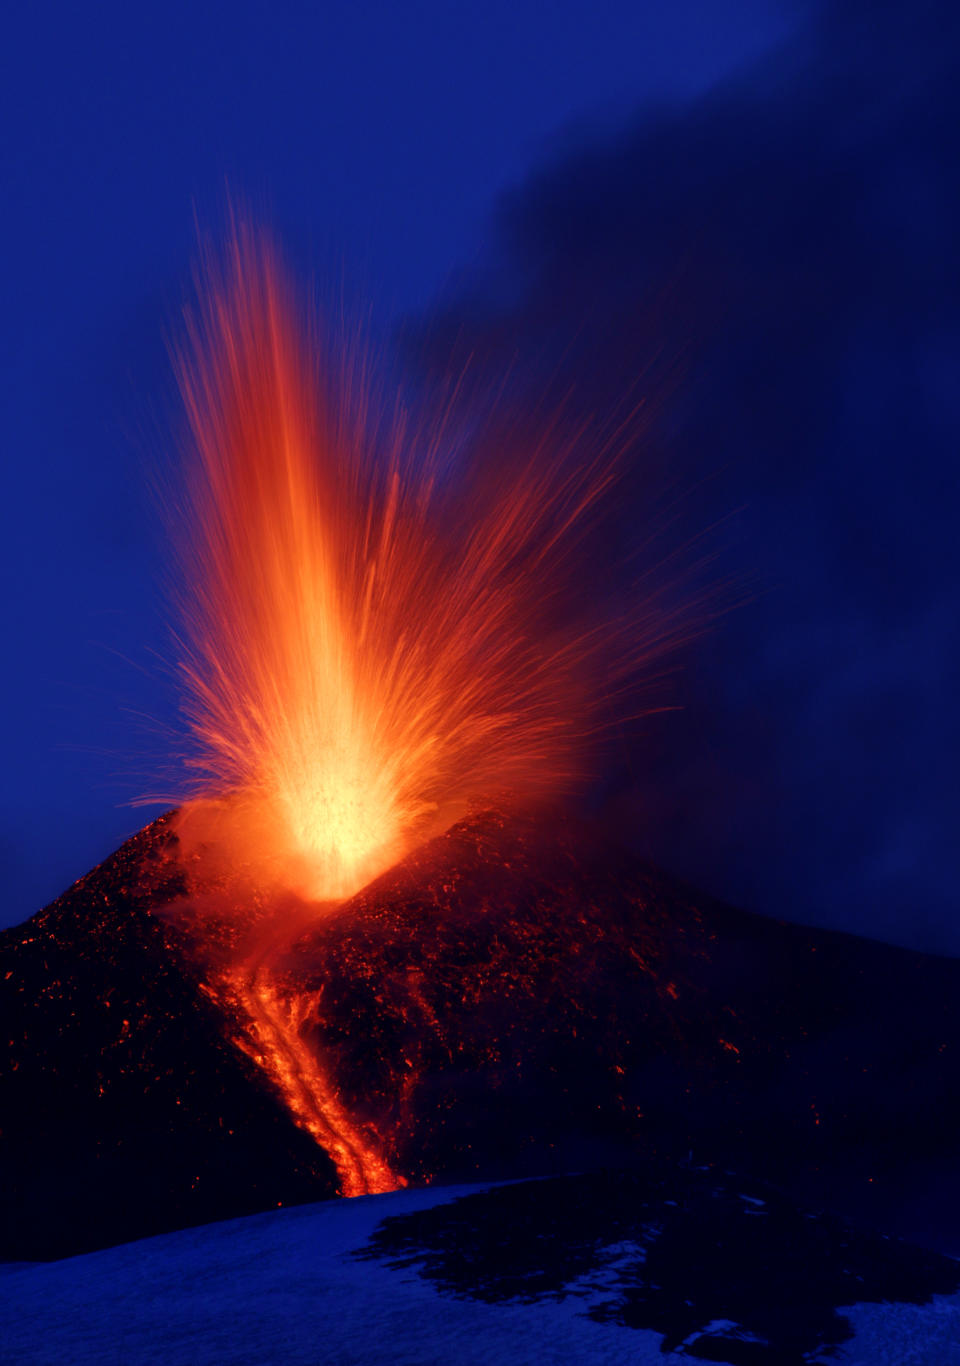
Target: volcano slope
514,998
124,1108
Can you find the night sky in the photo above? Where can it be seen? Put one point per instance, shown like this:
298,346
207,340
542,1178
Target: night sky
768,189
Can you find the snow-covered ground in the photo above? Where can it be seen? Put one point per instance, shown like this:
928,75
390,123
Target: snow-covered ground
282,1287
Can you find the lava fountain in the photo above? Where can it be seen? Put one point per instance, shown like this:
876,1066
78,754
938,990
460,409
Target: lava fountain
375,630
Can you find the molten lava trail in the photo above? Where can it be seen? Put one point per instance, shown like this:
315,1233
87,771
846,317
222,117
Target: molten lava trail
275,1044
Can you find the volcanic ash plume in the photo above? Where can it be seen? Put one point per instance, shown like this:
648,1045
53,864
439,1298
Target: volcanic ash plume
375,630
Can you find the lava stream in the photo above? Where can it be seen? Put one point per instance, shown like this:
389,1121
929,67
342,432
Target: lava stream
273,1042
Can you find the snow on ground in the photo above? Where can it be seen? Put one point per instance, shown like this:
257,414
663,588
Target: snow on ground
904,1334
279,1288
282,1287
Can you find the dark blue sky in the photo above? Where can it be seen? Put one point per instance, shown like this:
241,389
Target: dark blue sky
382,140
791,236
378,136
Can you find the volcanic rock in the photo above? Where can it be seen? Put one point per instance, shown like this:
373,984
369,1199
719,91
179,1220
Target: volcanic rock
517,997
124,1108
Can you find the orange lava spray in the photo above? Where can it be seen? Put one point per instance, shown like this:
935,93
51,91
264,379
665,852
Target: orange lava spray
369,627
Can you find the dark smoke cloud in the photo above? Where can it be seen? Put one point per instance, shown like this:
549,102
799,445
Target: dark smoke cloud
788,247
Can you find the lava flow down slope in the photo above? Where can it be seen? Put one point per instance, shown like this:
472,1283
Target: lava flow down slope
513,998
125,1108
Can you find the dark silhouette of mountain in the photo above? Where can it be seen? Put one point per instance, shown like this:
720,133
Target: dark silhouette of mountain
515,998
124,1108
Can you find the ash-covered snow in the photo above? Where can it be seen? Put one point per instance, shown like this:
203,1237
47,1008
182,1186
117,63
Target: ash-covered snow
288,1287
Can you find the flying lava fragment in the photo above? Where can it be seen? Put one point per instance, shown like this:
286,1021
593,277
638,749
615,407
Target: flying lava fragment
376,629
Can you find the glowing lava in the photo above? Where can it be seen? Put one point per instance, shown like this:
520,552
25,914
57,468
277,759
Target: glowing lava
272,1038
370,633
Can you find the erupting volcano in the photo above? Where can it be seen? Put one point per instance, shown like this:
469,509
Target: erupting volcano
370,948
377,633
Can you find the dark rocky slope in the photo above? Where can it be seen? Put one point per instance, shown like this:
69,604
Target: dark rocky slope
513,999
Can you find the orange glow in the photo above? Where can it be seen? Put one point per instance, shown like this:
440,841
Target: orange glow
375,634
270,1036
369,625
